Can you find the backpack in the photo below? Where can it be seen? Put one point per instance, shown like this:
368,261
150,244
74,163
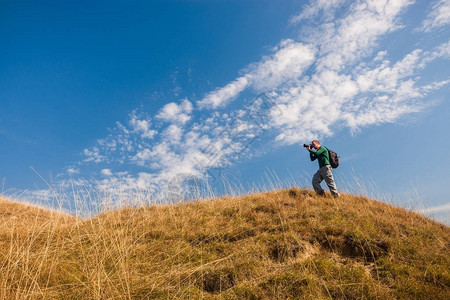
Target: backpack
334,158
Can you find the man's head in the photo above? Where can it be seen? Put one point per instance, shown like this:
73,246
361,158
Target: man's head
316,144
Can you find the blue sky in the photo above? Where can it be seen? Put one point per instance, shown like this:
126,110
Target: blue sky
138,96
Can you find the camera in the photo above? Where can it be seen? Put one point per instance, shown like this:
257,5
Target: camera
306,145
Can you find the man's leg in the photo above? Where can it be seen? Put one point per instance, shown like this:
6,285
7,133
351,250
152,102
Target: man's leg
329,179
316,180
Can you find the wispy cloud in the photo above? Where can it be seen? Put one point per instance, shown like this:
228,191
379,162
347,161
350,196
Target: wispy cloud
72,171
368,95
288,62
93,155
106,172
222,96
178,150
311,11
442,51
438,16
347,85
343,41
173,112
436,209
141,126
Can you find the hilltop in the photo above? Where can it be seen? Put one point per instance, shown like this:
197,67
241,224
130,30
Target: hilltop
281,244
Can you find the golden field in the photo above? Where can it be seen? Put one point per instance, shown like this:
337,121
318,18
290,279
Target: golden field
285,244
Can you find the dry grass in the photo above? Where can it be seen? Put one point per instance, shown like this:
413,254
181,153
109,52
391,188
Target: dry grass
282,244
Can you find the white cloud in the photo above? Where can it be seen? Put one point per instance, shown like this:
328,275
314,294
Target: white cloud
173,134
434,86
289,61
142,126
93,155
126,188
106,172
340,93
326,7
340,43
72,171
182,152
436,209
222,96
365,97
176,113
442,51
160,156
385,78
342,90
438,16
344,41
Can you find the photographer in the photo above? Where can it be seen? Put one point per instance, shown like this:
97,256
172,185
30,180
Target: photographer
324,172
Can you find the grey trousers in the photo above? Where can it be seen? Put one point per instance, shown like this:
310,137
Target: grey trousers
321,174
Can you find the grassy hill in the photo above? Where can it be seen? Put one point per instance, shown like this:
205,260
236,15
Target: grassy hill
282,244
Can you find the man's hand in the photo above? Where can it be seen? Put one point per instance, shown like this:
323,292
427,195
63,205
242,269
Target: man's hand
308,148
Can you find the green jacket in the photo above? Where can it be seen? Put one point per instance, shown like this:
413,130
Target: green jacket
321,155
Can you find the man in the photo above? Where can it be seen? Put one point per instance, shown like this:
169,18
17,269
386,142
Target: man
324,172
